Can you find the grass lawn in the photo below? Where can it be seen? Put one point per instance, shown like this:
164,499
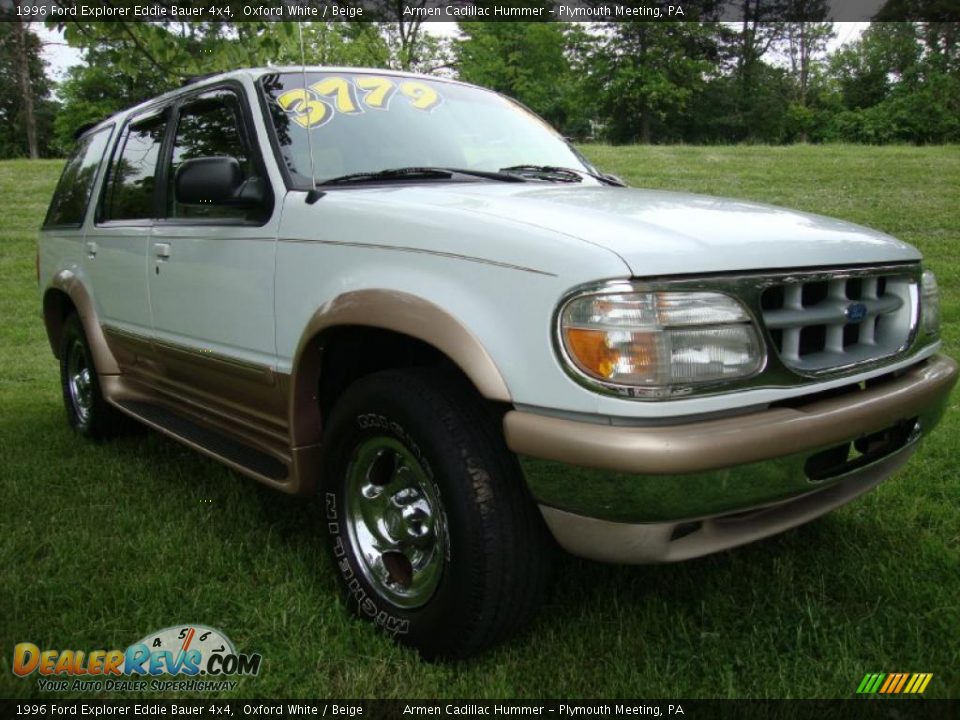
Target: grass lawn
101,544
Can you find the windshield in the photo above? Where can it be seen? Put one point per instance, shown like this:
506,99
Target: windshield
361,123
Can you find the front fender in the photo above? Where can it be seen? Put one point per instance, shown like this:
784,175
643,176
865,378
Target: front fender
388,310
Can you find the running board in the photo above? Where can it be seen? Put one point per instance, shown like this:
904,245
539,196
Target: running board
234,453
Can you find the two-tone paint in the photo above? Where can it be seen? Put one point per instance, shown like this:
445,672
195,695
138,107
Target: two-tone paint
228,324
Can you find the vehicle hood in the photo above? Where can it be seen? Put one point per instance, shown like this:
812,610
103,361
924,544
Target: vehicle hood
657,232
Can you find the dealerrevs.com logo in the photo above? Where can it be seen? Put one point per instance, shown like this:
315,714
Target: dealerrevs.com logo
203,654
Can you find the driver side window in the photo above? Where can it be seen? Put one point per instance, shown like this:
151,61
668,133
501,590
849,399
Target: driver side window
210,126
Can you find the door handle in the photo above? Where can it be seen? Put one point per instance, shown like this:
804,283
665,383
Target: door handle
162,250
91,249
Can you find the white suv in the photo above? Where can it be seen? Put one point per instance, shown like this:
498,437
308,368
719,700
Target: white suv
412,297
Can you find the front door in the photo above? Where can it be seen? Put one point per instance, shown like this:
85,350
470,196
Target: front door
211,273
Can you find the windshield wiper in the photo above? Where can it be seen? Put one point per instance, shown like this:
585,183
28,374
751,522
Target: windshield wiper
414,173
563,174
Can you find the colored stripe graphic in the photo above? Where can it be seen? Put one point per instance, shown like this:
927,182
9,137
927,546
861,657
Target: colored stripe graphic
913,682
903,680
870,683
897,678
894,683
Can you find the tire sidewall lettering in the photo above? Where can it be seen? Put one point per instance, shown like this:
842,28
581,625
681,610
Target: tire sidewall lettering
367,604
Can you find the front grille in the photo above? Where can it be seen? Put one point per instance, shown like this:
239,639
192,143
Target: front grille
824,322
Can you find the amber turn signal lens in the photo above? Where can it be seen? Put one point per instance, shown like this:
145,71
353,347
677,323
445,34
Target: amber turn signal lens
592,352
604,353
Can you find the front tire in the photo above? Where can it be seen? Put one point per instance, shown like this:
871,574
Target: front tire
87,411
432,531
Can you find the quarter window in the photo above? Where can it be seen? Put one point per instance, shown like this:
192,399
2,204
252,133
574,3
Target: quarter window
69,204
130,192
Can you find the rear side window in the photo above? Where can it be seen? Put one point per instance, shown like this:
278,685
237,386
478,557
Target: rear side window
132,179
69,204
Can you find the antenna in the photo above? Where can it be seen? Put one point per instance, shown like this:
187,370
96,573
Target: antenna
313,195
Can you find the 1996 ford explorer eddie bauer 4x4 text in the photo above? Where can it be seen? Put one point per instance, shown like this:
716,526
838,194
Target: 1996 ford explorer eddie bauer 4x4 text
413,298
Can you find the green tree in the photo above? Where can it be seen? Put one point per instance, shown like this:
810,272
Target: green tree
95,90
649,72
175,51
395,29
805,46
717,114
899,83
327,43
868,69
126,63
398,46
528,61
26,110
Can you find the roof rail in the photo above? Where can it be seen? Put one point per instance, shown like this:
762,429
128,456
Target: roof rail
81,131
190,80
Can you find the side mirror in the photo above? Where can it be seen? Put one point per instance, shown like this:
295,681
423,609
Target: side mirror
217,181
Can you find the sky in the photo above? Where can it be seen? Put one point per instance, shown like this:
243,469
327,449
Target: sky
60,57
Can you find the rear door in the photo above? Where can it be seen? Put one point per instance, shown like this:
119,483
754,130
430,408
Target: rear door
116,245
211,268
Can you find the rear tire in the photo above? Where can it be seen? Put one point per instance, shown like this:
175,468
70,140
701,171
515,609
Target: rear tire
432,531
87,411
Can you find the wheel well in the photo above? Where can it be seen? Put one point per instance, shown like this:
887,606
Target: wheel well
57,307
350,353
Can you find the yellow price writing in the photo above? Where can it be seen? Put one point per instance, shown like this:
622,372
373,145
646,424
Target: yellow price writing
379,90
341,91
422,96
306,110
316,105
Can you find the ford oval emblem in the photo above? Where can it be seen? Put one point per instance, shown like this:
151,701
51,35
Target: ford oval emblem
856,312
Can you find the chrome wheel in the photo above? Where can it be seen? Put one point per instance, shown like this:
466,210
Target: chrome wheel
80,382
395,521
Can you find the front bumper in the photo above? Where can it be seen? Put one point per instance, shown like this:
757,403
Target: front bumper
670,492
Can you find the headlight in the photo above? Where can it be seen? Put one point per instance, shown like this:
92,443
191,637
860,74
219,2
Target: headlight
929,304
658,344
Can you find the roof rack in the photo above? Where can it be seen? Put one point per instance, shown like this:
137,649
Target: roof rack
80,131
197,78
